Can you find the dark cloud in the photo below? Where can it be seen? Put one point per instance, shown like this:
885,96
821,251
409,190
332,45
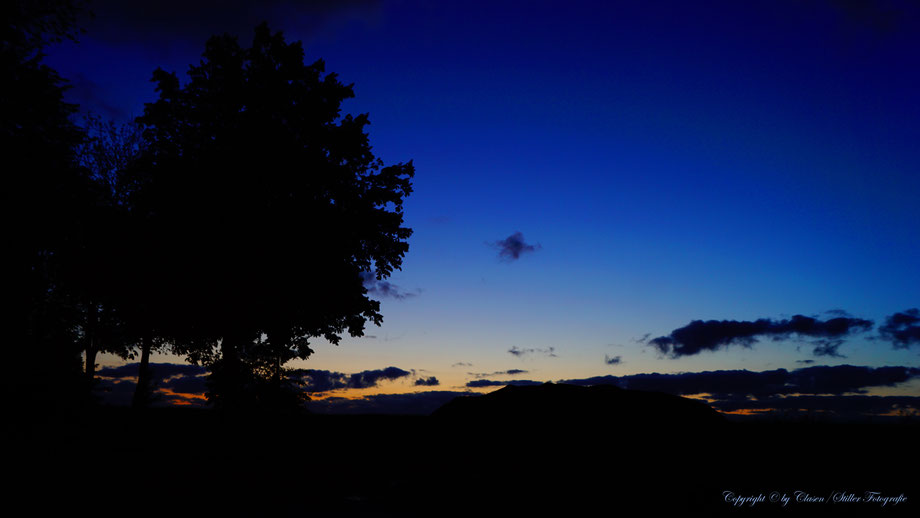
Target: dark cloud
116,385
428,382
115,392
843,379
121,392
740,384
316,380
385,288
159,371
709,382
129,370
418,403
462,364
187,384
520,353
712,335
805,361
494,383
366,379
616,360
512,247
902,329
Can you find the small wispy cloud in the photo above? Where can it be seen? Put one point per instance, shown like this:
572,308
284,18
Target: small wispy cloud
387,289
509,372
828,347
495,383
520,353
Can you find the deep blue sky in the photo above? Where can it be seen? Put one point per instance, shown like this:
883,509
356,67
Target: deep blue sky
673,161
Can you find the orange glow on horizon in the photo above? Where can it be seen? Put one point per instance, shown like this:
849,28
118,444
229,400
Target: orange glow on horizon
750,411
183,398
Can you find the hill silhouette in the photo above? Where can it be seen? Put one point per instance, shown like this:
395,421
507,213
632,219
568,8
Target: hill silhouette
574,450
562,403
583,452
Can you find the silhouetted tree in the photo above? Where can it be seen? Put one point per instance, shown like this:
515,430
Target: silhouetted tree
119,321
44,201
108,153
265,206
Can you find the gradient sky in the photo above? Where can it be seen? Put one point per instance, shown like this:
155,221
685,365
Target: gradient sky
668,161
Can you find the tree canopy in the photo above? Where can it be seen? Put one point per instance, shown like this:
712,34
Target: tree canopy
263,205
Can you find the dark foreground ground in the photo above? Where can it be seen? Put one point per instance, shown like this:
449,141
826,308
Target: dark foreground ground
180,462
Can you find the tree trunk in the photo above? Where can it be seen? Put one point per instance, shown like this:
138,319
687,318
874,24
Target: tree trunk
142,391
229,377
89,337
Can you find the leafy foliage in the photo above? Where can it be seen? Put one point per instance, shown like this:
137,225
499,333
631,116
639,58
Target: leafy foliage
265,206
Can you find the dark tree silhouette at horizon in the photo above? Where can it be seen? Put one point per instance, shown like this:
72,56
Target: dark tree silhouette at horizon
264,205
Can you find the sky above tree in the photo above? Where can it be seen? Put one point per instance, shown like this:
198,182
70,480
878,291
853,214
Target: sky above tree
602,188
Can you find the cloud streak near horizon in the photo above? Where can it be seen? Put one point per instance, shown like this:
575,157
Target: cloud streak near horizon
509,372
521,353
159,371
317,380
823,389
842,390
482,383
739,384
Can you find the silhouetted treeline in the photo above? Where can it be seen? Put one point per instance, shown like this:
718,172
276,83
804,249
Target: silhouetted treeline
232,222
